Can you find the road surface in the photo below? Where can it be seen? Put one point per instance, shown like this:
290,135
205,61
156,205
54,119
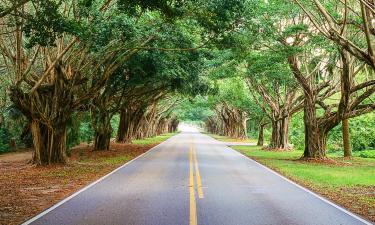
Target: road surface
193,179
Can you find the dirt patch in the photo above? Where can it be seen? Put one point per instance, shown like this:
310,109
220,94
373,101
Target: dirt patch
26,190
323,161
23,156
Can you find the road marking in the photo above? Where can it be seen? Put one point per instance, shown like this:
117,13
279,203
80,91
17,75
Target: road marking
197,175
40,215
193,204
364,221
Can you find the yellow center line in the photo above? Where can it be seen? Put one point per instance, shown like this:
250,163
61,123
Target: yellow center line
197,175
193,205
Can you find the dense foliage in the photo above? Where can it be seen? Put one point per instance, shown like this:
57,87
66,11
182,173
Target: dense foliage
99,71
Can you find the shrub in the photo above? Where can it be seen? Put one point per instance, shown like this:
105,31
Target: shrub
362,133
367,154
4,140
296,131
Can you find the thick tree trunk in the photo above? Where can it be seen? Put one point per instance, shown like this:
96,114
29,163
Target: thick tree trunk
316,131
136,120
48,108
279,136
123,126
346,138
173,125
261,135
129,124
49,143
316,134
315,144
103,136
346,85
314,139
162,126
102,141
103,129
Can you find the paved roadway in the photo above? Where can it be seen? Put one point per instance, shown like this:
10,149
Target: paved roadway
194,179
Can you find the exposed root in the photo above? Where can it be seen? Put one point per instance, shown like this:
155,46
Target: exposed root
321,160
272,149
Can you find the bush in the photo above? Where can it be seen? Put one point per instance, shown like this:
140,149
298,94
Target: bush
114,124
79,130
4,140
367,154
362,133
86,133
296,131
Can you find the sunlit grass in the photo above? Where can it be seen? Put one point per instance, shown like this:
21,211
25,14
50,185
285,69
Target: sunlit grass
154,140
227,139
357,171
116,160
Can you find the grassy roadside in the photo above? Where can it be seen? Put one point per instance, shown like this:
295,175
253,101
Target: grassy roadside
227,139
350,183
153,140
27,190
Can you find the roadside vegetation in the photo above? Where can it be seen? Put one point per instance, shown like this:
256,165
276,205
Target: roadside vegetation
77,71
228,139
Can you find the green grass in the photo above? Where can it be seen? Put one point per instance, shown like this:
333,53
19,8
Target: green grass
366,154
116,160
153,140
227,139
357,171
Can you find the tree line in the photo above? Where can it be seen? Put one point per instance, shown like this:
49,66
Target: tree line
72,61
310,57
81,70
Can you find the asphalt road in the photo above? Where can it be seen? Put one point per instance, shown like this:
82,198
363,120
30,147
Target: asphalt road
194,179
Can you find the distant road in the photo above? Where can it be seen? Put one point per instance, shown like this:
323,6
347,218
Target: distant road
193,179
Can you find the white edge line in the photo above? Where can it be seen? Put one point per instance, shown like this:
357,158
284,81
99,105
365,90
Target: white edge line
299,186
307,190
87,187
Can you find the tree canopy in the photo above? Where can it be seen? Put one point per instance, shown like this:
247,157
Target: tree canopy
237,66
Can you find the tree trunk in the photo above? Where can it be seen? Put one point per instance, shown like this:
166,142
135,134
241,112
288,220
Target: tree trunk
103,130
102,141
346,138
126,127
315,144
48,109
316,131
261,135
280,131
173,125
129,124
123,127
315,137
49,143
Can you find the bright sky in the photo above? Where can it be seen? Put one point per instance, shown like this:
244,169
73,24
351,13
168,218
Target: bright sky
184,127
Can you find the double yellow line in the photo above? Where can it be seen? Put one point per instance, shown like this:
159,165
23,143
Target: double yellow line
193,163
